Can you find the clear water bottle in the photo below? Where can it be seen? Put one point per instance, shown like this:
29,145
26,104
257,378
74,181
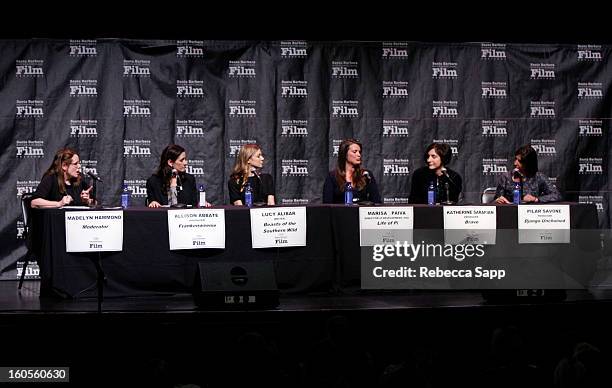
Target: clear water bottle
431,194
202,194
516,193
348,193
125,197
248,195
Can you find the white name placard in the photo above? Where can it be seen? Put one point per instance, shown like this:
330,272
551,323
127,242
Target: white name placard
385,225
196,228
94,231
470,224
470,217
278,227
544,224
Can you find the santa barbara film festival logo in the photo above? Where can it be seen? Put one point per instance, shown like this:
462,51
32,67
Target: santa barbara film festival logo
494,128
345,108
236,144
189,48
453,144
189,128
544,147
190,88
136,108
494,166
242,108
494,89
83,48
592,166
83,88
293,49
395,128
294,128
596,199
241,69
26,187
542,109
544,71
590,90
445,109
294,167
344,69
90,165
294,89
493,51
20,230
590,127
394,50
195,167
336,147
136,68
30,148
444,70
294,201
83,128
137,148
395,89
29,68
396,167
138,187
29,108
589,52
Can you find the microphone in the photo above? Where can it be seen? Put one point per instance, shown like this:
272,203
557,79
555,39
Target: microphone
175,174
444,172
256,173
517,174
92,175
367,176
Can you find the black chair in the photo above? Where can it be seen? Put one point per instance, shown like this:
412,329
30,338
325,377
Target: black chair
26,199
488,195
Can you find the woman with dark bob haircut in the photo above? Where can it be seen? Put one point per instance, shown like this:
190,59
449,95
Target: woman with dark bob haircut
448,183
536,187
349,170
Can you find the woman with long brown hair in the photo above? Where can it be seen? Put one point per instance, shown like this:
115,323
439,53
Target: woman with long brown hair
61,184
349,170
246,173
171,184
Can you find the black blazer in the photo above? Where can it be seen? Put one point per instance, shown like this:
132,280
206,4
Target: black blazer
420,182
188,195
332,193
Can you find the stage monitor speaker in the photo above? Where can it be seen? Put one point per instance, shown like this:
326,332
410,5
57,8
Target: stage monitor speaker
236,285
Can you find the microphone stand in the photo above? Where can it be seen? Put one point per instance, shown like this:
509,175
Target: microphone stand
447,189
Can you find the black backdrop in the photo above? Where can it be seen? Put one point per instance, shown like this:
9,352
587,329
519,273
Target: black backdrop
120,101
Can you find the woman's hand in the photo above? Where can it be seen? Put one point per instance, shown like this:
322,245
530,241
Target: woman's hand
85,196
502,199
66,199
154,204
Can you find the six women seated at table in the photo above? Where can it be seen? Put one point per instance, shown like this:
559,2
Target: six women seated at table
62,183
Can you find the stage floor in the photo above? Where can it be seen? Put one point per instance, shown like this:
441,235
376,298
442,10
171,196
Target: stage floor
28,301
135,340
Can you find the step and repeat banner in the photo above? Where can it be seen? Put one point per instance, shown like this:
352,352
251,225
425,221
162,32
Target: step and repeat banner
120,102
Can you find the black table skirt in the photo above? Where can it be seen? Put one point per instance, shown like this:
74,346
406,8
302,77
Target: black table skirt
330,260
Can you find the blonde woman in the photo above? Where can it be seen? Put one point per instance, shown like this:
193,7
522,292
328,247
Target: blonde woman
246,172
